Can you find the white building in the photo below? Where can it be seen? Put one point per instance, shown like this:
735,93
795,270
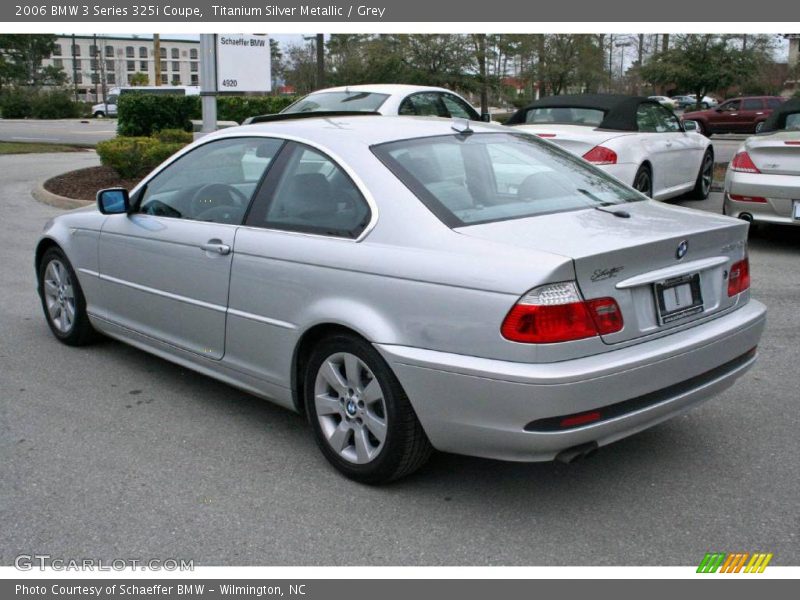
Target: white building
96,63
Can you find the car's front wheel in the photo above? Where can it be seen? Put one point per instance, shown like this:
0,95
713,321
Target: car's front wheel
643,181
361,417
759,126
62,300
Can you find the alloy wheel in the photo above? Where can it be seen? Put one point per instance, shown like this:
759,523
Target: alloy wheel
350,408
59,296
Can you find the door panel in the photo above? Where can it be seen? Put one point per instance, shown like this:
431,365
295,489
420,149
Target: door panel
165,269
158,279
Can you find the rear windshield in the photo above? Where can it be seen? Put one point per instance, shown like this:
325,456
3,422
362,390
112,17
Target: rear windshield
334,101
479,178
573,116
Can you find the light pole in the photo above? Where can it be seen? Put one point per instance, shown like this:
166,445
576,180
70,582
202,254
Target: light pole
622,45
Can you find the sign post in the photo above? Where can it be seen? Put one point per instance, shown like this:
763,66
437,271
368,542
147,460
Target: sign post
208,81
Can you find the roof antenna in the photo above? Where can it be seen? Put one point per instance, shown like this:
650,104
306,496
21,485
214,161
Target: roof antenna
461,126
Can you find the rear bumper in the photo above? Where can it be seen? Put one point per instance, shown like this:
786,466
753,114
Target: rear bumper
780,191
481,407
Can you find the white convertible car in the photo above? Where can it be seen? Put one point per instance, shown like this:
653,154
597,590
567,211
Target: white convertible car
635,139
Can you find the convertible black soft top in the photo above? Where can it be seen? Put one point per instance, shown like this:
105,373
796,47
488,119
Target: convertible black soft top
619,110
777,120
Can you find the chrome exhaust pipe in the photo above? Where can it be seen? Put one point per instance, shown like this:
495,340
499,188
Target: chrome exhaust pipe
746,217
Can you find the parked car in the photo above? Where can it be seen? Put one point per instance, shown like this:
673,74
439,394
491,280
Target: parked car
664,101
109,107
633,138
737,115
384,99
690,101
413,283
762,183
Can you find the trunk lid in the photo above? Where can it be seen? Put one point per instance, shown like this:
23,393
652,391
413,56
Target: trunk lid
577,139
635,260
777,153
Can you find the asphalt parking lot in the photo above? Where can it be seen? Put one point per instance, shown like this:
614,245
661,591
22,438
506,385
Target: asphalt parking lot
108,452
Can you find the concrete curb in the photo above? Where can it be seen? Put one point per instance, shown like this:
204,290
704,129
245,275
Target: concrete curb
45,197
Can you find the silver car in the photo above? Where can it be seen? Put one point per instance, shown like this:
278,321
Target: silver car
413,283
762,183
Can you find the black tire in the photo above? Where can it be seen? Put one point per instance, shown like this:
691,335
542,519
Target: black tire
80,331
99,115
703,129
759,126
705,178
405,447
643,181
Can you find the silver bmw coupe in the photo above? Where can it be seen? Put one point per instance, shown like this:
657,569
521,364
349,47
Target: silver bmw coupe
410,284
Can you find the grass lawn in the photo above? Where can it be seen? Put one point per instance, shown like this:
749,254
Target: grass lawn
35,148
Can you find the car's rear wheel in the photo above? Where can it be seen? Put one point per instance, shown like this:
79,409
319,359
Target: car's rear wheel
643,181
361,417
99,114
705,177
759,126
702,129
63,301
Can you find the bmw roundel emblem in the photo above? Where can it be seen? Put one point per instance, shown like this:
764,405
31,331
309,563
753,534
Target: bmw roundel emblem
683,248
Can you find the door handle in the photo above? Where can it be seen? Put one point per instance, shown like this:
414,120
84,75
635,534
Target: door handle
216,247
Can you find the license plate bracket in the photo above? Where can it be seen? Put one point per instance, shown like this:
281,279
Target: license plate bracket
678,298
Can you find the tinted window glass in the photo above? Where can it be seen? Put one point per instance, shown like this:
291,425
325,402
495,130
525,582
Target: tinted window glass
773,103
458,108
648,119
732,105
332,101
492,177
427,104
752,104
793,121
312,194
213,182
576,116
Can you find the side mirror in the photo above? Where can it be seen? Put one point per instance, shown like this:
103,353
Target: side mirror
486,117
113,201
690,125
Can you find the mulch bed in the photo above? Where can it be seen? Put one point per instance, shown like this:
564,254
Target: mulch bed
84,183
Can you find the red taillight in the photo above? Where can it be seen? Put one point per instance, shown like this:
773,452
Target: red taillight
743,163
740,198
606,315
792,143
739,278
600,155
556,313
580,419
546,135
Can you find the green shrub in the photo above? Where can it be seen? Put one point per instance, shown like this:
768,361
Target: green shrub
133,157
143,114
25,103
173,136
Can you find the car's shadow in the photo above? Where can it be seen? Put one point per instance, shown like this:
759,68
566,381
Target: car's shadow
447,476
774,237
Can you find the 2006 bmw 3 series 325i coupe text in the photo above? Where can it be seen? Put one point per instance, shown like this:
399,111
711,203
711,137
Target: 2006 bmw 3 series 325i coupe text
413,283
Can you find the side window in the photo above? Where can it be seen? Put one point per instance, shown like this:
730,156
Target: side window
214,182
458,108
310,194
752,104
647,119
773,103
425,104
730,106
668,120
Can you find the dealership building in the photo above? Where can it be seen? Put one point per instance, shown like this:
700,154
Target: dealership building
96,63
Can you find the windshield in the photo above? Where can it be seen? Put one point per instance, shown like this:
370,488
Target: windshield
336,101
478,178
574,116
